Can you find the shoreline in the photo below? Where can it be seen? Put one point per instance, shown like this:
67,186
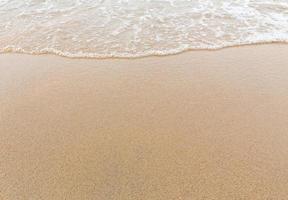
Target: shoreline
17,50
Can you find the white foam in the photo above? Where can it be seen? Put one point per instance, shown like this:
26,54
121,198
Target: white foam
134,28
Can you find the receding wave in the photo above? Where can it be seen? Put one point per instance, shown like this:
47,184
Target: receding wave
134,28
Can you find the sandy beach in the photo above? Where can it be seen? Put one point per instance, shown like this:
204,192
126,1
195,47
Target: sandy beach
201,125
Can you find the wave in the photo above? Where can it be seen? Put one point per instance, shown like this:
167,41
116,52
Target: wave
136,28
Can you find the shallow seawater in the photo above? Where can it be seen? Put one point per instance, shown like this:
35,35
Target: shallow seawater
133,28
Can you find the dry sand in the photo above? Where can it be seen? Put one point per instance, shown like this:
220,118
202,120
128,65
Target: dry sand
198,125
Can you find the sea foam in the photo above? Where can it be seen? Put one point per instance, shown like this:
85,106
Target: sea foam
134,28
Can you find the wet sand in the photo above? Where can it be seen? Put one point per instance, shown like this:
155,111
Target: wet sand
198,125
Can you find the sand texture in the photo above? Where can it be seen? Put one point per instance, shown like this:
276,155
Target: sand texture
201,125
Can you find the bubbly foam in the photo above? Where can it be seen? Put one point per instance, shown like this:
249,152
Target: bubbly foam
133,28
